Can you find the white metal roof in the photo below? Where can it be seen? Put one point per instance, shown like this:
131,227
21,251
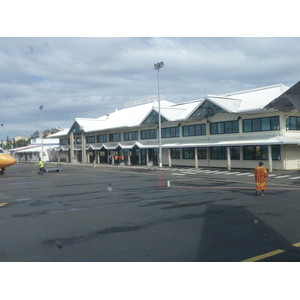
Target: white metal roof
239,102
257,98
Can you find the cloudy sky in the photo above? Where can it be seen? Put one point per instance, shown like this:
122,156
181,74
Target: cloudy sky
88,77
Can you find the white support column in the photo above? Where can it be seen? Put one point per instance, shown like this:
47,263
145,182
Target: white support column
270,159
207,156
147,157
228,159
169,157
128,157
83,150
196,158
71,147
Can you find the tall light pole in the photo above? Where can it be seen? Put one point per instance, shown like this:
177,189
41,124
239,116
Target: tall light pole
41,108
2,136
157,67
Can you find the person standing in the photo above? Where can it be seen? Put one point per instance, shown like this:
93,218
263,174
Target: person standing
41,167
261,175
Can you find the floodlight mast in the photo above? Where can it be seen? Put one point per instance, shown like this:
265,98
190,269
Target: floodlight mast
41,108
158,66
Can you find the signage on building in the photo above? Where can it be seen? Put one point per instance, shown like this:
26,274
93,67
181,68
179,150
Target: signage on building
152,99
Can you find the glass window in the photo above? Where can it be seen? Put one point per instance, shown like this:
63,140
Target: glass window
167,133
175,153
115,137
189,153
213,128
261,124
298,123
218,152
102,138
77,140
149,134
235,152
201,153
247,125
90,139
275,123
185,130
276,152
293,123
261,152
265,124
221,127
235,126
256,124
228,127
193,130
224,127
170,132
131,135
63,141
248,152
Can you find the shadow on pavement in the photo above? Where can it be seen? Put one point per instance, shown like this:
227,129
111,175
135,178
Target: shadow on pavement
232,233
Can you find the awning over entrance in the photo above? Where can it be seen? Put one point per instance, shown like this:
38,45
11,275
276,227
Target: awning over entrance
287,101
271,141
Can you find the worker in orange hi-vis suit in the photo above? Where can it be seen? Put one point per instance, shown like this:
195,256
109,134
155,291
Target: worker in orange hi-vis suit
261,175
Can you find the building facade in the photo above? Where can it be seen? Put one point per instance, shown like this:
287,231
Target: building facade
229,131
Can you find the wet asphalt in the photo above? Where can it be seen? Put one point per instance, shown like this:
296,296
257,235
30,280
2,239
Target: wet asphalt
140,214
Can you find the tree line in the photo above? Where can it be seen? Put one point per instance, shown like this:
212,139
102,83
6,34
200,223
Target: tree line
12,143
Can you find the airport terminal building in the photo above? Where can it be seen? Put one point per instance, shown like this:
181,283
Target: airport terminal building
235,130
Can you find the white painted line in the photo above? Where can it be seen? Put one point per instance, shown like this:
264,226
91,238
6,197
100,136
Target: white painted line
295,177
243,174
189,173
230,173
283,176
223,172
178,174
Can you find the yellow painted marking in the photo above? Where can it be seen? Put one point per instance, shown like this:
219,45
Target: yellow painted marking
2,204
262,256
296,245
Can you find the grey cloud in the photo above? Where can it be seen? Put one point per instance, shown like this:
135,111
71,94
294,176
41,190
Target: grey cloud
89,77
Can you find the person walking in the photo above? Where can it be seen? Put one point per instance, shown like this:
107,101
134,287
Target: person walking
261,175
41,167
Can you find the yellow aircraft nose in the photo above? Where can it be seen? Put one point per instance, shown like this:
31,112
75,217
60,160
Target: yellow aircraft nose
6,160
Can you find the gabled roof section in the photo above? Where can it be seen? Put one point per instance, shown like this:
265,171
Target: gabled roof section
153,117
224,104
63,132
256,99
76,128
207,108
287,101
182,111
127,117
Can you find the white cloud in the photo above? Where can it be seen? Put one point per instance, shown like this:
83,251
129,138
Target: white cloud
88,77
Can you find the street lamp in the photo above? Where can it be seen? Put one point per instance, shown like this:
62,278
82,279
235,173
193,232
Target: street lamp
2,136
157,67
41,108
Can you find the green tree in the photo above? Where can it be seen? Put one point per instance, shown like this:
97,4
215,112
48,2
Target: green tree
35,135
